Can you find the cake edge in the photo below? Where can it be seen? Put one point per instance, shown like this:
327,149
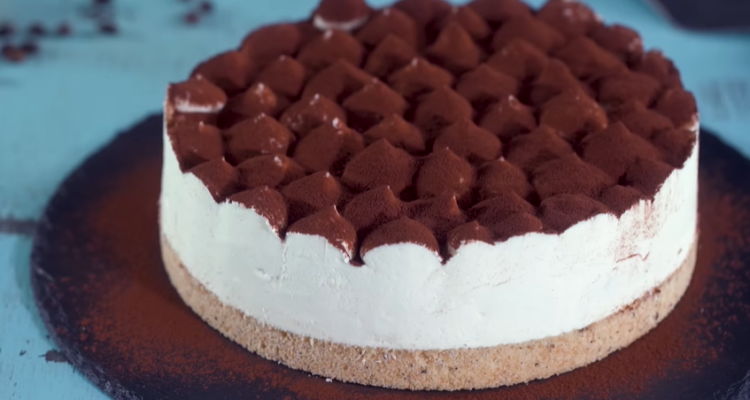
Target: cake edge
453,369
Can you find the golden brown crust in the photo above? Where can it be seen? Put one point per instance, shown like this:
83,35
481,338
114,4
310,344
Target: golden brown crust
466,368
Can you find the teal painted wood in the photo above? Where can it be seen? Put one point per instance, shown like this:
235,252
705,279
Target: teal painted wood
24,373
58,108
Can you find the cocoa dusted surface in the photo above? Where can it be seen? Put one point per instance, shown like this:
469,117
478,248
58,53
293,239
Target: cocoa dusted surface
198,92
540,119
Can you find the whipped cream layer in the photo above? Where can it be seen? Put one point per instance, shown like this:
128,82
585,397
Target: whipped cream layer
528,287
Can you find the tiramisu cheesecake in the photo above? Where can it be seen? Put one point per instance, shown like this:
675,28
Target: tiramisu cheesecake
429,196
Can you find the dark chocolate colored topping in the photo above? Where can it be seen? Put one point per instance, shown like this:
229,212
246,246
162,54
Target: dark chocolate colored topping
571,18
262,135
556,78
257,99
469,20
530,29
220,178
272,171
436,124
390,21
229,71
455,49
496,209
328,148
676,145
333,45
574,114
311,193
329,224
197,92
423,12
373,103
648,175
443,172
486,85
402,230
469,141
337,81
508,118
587,60
440,108
561,212
499,176
196,144
622,41
266,202
620,198
268,43
679,105
655,64
180,119
519,59
440,214
532,150
380,164
285,76
619,88
506,215
309,113
517,224
308,32
570,175
419,77
640,120
467,233
391,54
373,208
498,11
616,148
398,133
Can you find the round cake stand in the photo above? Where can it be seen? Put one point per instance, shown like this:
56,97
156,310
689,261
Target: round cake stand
101,289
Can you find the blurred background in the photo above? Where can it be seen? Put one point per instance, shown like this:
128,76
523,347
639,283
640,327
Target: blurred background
74,73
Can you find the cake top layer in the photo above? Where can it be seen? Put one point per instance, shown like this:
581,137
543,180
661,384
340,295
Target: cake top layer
433,124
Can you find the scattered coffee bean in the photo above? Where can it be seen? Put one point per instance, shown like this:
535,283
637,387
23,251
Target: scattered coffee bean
108,28
63,29
12,53
30,48
37,29
206,7
192,18
7,29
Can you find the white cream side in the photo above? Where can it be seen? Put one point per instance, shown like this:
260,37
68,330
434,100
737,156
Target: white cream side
346,26
526,288
184,105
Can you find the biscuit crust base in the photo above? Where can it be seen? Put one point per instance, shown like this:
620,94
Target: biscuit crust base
456,369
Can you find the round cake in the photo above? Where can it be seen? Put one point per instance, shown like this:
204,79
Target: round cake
428,196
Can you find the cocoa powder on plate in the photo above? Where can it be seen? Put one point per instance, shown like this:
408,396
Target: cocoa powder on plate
140,321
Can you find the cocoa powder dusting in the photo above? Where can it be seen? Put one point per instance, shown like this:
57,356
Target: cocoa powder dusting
442,71
140,321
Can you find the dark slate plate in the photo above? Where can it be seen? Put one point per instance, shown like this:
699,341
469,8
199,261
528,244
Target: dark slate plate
721,15
99,284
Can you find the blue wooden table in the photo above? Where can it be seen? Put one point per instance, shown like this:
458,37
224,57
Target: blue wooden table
79,92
